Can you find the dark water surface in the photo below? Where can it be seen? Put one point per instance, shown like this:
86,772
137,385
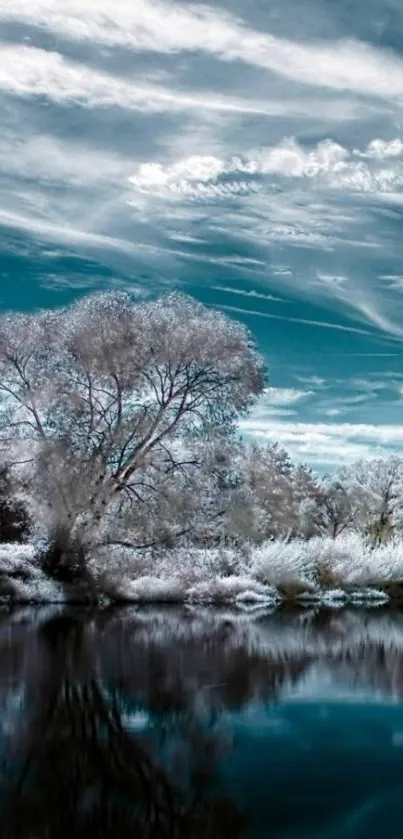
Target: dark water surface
196,724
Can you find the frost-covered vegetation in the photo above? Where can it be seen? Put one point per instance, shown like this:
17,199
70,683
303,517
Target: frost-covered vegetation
122,475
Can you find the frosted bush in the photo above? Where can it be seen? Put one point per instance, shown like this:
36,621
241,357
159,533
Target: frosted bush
323,563
21,577
350,561
235,588
285,565
181,569
320,571
152,589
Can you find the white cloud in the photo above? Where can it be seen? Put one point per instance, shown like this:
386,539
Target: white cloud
380,149
66,233
361,298
325,443
306,321
251,294
311,381
331,279
331,165
367,307
281,271
27,71
333,412
394,281
196,176
283,396
173,27
47,159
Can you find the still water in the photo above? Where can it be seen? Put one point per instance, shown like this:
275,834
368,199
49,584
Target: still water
196,724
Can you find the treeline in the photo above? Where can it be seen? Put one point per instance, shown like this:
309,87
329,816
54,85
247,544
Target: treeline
118,429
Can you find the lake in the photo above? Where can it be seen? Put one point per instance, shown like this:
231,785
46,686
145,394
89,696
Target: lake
201,723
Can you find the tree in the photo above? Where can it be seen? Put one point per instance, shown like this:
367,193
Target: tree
78,770
102,403
271,494
338,508
374,489
14,520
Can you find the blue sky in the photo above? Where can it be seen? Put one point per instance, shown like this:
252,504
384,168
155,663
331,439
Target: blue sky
250,154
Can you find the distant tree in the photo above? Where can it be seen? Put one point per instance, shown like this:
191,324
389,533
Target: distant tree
338,507
271,496
102,402
373,490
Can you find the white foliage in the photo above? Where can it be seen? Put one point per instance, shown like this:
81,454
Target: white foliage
23,578
101,396
345,561
322,570
284,565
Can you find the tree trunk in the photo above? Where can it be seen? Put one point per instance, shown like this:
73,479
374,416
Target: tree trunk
65,561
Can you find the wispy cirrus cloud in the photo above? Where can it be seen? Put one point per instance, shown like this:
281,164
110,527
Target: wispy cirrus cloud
252,294
393,281
172,28
321,324
312,381
27,71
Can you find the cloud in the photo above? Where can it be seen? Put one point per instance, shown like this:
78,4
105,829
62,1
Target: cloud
333,412
210,177
67,233
328,444
171,28
284,396
306,321
278,402
331,279
360,301
252,294
393,281
312,381
91,282
48,159
381,149
28,71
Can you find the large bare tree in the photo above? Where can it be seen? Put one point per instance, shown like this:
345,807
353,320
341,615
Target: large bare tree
104,407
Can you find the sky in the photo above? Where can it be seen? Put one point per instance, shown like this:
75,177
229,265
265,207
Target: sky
247,153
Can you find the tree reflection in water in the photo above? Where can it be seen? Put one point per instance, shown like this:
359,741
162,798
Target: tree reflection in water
118,723
81,772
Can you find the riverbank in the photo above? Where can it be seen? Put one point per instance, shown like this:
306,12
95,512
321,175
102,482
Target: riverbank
322,571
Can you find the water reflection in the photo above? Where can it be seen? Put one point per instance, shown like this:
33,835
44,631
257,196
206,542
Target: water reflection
200,724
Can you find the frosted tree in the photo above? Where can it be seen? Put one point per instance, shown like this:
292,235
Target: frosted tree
340,505
375,492
271,497
307,498
14,522
101,403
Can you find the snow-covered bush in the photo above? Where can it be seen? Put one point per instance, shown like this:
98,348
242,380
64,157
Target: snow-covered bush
324,563
321,570
22,579
286,565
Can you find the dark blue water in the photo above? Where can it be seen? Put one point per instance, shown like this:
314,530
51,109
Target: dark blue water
161,723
